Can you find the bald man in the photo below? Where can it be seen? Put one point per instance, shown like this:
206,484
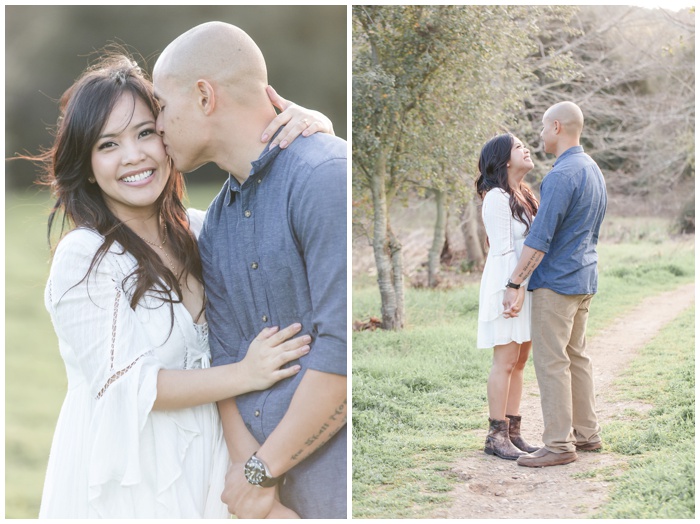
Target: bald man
273,250
560,253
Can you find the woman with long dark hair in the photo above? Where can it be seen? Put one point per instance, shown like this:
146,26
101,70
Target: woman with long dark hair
509,207
139,435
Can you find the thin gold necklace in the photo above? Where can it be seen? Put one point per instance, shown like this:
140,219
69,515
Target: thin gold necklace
165,237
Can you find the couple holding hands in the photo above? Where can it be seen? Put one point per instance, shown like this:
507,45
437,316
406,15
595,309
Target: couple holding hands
536,289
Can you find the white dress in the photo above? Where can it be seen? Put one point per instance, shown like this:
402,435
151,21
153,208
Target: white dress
112,456
506,239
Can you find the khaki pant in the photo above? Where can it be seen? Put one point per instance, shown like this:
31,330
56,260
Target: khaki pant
564,370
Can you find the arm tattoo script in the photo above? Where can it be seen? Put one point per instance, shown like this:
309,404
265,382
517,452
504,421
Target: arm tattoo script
531,265
323,435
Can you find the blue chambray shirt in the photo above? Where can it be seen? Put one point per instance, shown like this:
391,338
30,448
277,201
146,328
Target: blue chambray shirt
274,252
566,228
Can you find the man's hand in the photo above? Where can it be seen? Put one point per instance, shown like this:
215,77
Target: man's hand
511,302
243,499
529,259
280,511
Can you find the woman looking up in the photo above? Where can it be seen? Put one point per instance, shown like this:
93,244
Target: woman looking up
508,209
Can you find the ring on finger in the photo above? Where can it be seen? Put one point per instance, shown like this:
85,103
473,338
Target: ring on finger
306,121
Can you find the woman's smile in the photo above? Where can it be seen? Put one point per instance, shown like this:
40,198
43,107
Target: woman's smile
128,161
139,178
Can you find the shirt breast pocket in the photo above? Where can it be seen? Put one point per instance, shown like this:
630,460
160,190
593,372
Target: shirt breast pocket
287,291
280,292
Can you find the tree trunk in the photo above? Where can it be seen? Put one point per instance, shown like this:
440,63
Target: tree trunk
438,238
387,252
473,239
395,248
446,255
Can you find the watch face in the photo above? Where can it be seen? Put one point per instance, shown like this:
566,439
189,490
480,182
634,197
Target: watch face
255,471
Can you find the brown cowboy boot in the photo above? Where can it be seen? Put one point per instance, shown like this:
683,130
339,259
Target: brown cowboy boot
498,443
515,437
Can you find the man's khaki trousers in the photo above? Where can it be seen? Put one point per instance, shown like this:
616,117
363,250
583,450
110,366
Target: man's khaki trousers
564,370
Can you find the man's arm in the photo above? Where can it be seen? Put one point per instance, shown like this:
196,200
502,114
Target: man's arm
556,192
529,259
239,441
314,419
527,263
318,408
310,422
241,445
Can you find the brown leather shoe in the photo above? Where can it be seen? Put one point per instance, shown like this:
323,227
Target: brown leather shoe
588,446
543,458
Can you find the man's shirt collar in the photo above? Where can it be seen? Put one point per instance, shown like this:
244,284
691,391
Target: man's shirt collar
571,151
257,170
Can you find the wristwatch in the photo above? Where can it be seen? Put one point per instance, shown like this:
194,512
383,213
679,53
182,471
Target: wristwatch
257,474
513,285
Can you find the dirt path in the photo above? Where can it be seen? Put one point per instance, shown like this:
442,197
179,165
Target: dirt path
495,488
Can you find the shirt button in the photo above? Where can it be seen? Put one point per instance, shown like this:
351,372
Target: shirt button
259,180
254,265
257,412
264,318
247,213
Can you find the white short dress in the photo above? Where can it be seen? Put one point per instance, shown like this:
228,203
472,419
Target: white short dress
112,456
506,239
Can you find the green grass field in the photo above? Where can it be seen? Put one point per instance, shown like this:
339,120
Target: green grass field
35,382
660,480
408,421
418,394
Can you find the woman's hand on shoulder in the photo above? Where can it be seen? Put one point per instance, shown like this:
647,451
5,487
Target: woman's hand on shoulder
296,119
269,351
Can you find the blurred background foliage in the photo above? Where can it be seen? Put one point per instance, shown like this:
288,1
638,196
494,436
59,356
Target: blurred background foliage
47,47
432,83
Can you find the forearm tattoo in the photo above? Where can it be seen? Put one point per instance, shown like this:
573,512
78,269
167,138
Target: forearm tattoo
325,432
532,263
